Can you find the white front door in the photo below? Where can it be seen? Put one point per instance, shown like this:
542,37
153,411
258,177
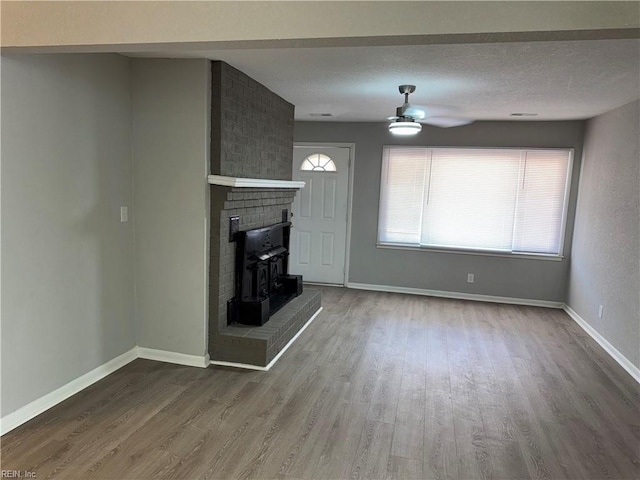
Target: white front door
319,232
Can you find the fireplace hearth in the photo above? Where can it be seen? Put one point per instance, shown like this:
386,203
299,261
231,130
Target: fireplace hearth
262,283
243,209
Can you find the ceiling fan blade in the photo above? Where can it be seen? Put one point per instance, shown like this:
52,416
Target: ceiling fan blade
446,122
433,115
414,111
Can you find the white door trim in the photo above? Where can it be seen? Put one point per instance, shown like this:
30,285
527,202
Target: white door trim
352,161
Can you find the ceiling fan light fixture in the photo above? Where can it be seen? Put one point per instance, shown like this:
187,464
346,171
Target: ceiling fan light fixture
405,128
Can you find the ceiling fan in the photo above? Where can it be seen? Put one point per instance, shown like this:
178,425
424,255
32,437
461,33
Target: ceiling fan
408,118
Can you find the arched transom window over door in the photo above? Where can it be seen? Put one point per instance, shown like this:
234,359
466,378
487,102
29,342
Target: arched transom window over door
318,162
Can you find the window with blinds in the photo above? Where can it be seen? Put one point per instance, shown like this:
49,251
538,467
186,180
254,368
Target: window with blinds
504,200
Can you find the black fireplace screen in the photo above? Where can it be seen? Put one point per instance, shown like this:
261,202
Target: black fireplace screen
262,283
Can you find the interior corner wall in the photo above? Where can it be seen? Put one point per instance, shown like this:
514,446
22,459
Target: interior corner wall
170,161
520,278
67,260
605,269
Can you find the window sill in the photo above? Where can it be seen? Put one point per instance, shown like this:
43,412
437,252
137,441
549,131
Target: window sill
484,253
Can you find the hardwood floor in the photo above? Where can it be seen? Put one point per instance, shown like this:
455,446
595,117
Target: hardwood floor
380,386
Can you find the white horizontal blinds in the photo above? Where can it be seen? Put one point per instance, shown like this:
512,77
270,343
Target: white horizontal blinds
404,173
511,200
541,202
472,199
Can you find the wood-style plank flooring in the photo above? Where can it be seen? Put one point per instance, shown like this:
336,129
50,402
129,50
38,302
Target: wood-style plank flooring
380,386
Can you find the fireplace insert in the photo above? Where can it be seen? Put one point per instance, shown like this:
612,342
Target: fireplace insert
262,282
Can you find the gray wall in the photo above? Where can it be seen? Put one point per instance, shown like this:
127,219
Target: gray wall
509,277
67,261
605,269
170,156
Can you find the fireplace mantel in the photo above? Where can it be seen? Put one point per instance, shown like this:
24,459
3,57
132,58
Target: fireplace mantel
253,182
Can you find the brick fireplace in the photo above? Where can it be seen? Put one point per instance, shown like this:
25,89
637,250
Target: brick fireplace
251,138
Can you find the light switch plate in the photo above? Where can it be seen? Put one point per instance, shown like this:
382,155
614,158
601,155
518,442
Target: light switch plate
124,214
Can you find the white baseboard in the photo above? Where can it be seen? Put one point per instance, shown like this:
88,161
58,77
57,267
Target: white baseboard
276,358
244,366
610,349
26,413
173,357
456,295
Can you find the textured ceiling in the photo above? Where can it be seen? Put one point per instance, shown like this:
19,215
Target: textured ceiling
559,80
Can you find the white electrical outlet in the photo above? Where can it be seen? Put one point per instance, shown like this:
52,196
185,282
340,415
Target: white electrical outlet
600,311
470,278
124,214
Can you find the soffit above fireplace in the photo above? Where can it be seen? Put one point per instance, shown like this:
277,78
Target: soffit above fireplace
253,182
